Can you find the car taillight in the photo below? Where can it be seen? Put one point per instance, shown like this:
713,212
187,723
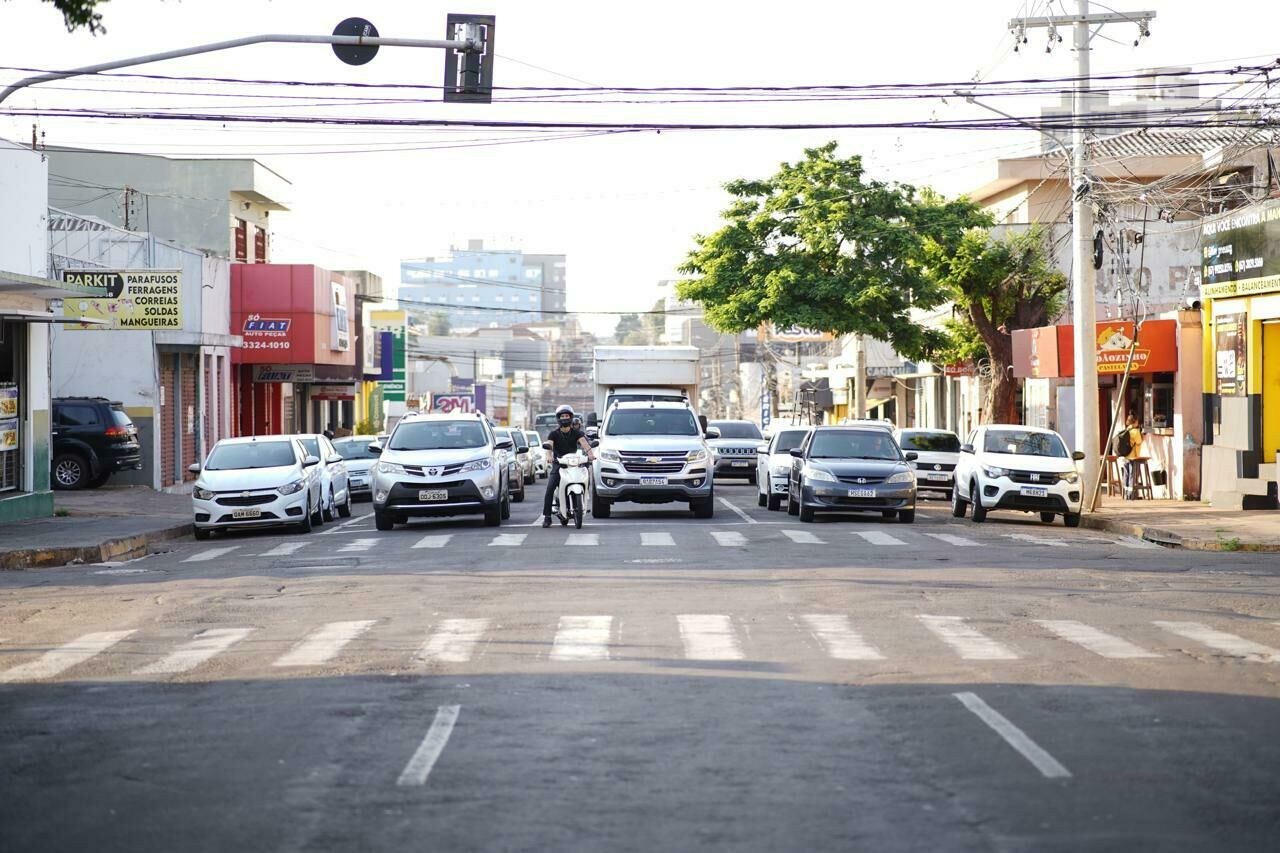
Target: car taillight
117,432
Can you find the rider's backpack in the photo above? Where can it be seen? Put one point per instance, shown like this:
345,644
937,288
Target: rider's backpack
1124,446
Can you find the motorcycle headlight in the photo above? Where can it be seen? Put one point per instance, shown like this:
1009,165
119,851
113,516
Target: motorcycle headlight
994,472
696,455
609,456
902,477
1069,477
390,468
819,475
292,488
201,493
476,465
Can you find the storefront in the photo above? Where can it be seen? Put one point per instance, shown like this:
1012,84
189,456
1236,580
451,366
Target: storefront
1240,289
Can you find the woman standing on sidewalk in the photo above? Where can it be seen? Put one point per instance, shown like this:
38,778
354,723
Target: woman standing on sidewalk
1134,433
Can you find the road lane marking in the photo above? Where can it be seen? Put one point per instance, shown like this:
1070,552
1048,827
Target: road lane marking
1041,760
583,539
582,638
1098,642
952,539
64,657
1038,540
508,540
803,537
840,639
210,554
346,524
875,537
728,538
1222,641
968,642
748,519
205,645
284,549
324,643
433,541
708,637
657,539
454,640
415,773
356,545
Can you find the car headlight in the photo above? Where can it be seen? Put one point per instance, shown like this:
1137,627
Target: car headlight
902,477
820,475
476,465
609,456
292,488
390,468
995,473
202,494
695,456
1069,477
781,470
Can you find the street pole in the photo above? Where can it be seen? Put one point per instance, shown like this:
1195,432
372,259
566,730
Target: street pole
860,379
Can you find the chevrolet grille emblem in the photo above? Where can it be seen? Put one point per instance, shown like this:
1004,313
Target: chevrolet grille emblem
654,459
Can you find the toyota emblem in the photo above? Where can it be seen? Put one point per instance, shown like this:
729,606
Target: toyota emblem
434,472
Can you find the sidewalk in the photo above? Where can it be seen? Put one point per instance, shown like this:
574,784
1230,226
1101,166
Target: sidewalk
110,523
1188,524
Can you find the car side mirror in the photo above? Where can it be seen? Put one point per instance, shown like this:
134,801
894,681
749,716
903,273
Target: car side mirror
194,467
504,444
912,456
375,448
546,445
966,448
713,432
334,459
310,461
1078,455
595,442
797,452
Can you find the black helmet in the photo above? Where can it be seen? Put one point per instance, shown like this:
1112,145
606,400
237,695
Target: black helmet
564,415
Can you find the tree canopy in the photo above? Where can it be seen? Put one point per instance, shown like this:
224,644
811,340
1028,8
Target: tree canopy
819,245
81,13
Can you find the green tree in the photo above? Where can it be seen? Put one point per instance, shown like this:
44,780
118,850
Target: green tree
1000,284
81,13
627,324
438,323
820,246
655,324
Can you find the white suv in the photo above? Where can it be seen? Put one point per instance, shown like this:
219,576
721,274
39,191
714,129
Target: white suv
1006,466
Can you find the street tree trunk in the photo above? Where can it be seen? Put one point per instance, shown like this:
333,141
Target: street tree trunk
1002,393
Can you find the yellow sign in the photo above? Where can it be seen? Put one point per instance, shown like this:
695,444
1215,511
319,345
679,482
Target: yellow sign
130,299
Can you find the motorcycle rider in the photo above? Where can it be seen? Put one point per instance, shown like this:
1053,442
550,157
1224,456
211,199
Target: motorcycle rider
564,440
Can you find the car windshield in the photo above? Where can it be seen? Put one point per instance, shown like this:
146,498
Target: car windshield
1024,443
789,440
438,435
254,454
652,422
358,449
733,429
853,444
931,442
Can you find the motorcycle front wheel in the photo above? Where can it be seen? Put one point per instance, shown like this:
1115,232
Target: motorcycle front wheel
575,501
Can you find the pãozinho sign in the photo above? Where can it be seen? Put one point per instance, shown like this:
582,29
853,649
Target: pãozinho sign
144,300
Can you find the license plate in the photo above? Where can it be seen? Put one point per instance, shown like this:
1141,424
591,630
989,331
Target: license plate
252,512
936,476
1034,492
433,495
653,481
742,464
862,493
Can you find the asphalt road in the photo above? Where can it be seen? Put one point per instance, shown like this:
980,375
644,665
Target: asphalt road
651,682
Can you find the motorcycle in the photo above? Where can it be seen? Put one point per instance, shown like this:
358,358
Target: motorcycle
571,496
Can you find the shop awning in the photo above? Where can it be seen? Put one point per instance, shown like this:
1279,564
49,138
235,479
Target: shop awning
19,284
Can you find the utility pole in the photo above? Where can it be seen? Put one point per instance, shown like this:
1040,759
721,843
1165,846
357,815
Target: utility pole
860,379
1083,273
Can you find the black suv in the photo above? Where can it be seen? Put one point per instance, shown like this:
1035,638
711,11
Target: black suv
92,439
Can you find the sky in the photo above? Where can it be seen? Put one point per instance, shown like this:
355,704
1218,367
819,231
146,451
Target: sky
624,208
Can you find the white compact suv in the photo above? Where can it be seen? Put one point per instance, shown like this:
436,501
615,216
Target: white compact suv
1004,466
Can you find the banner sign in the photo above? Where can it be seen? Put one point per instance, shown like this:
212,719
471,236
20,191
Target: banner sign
1240,252
1231,368
270,333
766,408
303,373
450,404
333,392
395,322
144,300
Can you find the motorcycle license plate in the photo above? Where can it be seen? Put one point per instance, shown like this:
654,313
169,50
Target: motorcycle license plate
1034,492
433,495
653,481
253,512
862,493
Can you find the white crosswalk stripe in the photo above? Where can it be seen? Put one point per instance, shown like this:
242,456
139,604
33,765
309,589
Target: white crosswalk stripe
508,540
454,641
324,643
968,642
728,538
190,655
358,545
582,638
657,539
1098,642
708,637
1038,540
875,537
803,537
210,554
438,541
1222,641
839,638
586,539
284,549
56,661
952,539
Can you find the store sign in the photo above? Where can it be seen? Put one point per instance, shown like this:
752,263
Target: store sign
266,333
798,334
766,406
449,404
142,300
1231,365
302,373
1240,252
395,322
1117,350
333,392
9,418
1156,350
955,370
339,323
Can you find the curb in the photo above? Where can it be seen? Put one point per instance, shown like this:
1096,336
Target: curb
122,548
1169,539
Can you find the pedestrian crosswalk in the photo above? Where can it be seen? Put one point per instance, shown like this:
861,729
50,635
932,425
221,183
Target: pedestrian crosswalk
604,639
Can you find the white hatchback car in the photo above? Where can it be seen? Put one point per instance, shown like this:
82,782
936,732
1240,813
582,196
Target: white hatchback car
257,482
773,466
937,452
336,493
1006,466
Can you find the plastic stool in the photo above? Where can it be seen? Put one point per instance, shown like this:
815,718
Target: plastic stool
1141,475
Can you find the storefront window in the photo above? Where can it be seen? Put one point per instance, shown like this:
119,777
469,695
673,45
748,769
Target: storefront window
12,348
1158,402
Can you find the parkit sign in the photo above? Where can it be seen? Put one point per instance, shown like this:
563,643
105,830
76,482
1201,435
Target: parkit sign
144,300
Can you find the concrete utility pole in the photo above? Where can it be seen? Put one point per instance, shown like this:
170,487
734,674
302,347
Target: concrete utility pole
860,379
1083,274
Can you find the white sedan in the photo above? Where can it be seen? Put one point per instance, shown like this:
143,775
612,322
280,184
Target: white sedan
773,466
257,482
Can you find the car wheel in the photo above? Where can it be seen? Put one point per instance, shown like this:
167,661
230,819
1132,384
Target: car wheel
100,479
518,497
383,520
775,503
330,509
202,533
889,514
761,500
493,516
979,511
506,504
705,508
345,509
958,507
70,471
805,512
793,506
906,516
306,524
601,508
1071,519
1046,517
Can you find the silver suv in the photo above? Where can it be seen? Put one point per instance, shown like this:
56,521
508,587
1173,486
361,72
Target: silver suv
653,452
434,465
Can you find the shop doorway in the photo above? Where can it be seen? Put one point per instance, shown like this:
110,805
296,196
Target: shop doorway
1270,391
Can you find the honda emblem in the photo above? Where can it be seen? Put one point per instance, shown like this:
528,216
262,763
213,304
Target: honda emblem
862,479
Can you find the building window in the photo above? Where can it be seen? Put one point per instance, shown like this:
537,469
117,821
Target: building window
259,245
13,388
240,240
497,297
531,274
1159,402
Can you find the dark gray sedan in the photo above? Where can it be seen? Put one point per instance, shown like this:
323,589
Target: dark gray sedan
851,469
